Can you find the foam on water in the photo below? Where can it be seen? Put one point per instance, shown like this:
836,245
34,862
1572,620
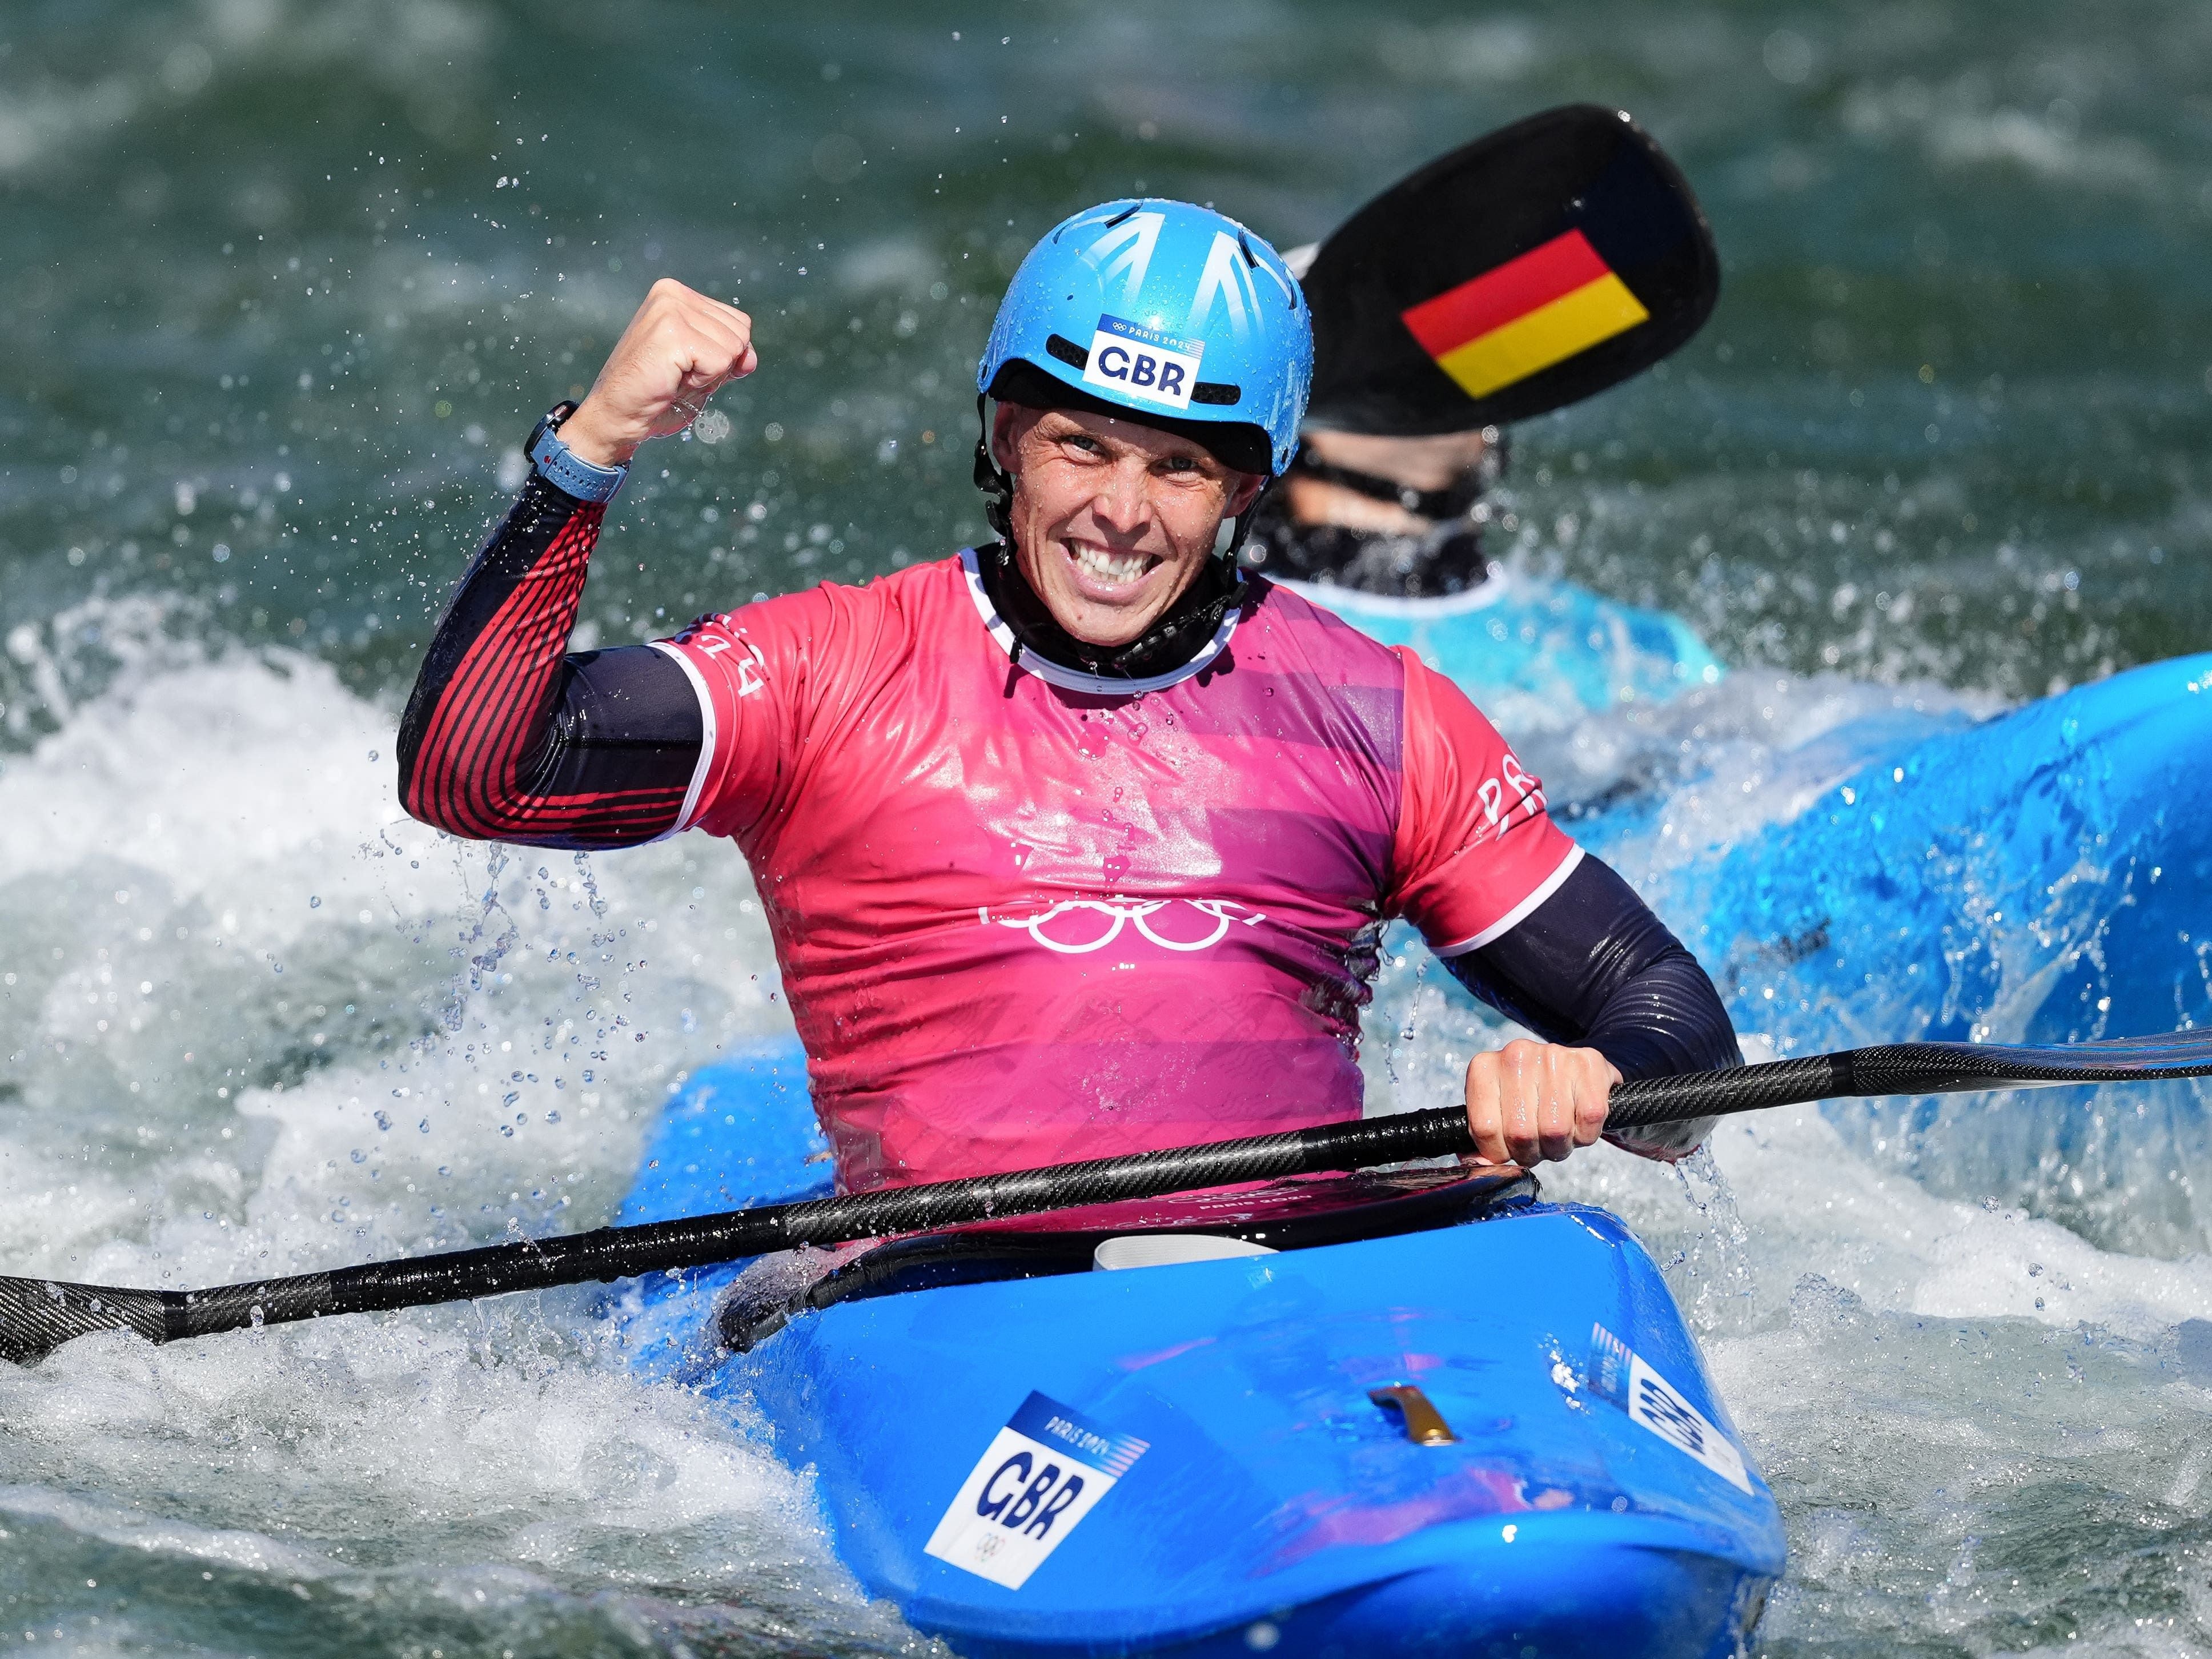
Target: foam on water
1986,1434
257,1021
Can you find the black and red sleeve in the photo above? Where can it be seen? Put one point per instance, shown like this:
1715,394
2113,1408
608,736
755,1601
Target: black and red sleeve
509,737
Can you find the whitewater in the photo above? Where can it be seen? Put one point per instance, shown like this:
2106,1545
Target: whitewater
257,1021
283,290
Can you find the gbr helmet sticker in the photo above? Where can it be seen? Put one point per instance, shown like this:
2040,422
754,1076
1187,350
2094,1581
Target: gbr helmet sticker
1137,361
1041,1474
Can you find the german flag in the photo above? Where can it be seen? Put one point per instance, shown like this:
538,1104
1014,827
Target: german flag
1528,314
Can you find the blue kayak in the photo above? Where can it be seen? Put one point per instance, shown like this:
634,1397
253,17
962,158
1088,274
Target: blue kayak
2042,877
1534,653
1336,1417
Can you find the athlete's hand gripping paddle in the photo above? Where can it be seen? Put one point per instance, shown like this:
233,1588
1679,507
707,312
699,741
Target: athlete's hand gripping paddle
37,1316
1516,275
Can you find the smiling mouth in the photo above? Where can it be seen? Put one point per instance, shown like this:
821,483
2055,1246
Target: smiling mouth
1113,570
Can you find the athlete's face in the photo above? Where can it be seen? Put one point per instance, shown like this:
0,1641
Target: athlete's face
1112,520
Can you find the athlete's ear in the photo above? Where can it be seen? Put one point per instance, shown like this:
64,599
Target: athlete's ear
1009,422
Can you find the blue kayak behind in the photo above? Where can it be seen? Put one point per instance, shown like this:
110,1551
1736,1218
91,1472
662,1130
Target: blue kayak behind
1533,653
1189,1456
2043,876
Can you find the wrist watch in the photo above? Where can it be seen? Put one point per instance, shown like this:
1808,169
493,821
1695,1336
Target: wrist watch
561,467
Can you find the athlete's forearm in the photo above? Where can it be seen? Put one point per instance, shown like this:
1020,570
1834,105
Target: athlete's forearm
1593,967
508,736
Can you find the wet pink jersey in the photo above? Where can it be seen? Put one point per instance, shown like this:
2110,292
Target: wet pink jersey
1024,915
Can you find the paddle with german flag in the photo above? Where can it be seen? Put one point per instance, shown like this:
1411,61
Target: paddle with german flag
1522,273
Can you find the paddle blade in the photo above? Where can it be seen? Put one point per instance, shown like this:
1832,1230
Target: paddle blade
37,1315
1523,273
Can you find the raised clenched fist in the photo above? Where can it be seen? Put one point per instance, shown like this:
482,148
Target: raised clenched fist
1532,1101
679,349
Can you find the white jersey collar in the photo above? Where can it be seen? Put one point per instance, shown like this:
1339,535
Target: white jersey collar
1074,679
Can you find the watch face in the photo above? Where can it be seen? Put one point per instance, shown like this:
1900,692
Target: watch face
548,422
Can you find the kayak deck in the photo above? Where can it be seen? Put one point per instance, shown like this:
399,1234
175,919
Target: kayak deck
1195,1456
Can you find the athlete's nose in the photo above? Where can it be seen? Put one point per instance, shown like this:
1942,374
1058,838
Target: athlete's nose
1122,505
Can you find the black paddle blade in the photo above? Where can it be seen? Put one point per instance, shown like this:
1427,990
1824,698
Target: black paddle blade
37,1315
1523,273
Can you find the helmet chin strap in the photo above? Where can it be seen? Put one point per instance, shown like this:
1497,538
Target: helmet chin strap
1242,531
991,478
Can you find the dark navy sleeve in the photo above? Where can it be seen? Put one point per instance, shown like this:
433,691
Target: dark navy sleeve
1591,966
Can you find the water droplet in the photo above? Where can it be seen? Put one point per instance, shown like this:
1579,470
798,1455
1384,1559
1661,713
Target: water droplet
258,1321
508,1129
315,902
384,1120
552,1118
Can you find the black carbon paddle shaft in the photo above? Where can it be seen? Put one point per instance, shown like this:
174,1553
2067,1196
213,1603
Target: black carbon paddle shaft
1716,1094
1908,1068
37,1315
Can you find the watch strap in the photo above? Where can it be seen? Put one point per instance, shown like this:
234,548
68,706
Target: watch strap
565,470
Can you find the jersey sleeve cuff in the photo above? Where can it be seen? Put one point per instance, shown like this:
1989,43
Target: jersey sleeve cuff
704,768
1520,913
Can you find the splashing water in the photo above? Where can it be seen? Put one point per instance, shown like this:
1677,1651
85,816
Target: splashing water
1941,448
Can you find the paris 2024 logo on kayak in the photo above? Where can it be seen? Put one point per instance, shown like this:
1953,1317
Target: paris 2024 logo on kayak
1076,927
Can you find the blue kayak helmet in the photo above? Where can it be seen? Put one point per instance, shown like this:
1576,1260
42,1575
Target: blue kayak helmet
1173,315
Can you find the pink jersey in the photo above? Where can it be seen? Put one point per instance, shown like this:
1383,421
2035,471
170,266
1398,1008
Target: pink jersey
1024,915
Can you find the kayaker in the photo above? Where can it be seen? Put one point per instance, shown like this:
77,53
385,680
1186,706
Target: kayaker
1402,517
1082,842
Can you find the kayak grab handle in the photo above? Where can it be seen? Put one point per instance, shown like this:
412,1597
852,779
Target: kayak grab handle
1424,1423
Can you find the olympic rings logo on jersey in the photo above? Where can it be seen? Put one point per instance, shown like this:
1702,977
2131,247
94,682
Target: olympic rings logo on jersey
1120,913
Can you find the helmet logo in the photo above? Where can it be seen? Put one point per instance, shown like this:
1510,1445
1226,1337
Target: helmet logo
1225,278
1127,247
1132,361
